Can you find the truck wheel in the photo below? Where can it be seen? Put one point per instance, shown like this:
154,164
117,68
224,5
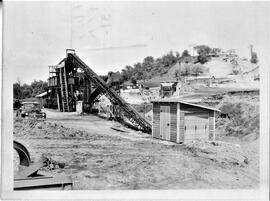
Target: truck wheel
23,153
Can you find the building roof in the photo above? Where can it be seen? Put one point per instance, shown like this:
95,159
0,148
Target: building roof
114,77
201,77
30,102
183,102
167,84
42,94
61,63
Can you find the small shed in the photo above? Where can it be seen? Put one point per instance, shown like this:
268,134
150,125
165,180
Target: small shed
42,98
167,88
179,121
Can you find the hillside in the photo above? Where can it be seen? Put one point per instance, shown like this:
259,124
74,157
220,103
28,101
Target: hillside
218,67
212,62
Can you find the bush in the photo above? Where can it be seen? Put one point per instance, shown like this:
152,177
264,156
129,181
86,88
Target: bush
197,69
190,69
239,119
203,52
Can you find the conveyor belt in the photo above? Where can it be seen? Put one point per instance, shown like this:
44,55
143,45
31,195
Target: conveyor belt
129,112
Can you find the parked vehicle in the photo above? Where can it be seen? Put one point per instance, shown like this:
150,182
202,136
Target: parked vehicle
31,110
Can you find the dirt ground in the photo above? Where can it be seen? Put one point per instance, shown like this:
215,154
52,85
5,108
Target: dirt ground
98,157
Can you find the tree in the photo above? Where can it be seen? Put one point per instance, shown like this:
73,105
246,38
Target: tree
150,67
190,69
169,59
134,81
139,71
176,73
17,91
177,55
148,59
148,63
185,69
127,73
124,75
216,51
38,87
203,53
197,69
185,53
254,58
28,91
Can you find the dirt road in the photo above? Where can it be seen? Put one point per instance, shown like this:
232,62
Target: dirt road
98,157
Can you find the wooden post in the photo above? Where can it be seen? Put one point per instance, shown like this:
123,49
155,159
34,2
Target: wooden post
178,123
58,101
214,125
152,120
179,71
87,91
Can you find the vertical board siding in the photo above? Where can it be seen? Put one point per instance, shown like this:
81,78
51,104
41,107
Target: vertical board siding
156,120
191,109
182,126
211,125
178,123
173,137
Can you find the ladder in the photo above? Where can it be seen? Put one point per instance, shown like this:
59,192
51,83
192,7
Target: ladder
129,112
64,90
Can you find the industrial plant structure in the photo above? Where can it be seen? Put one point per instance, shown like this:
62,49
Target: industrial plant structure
74,86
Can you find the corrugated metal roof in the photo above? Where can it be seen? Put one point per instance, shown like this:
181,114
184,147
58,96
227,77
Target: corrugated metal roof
183,102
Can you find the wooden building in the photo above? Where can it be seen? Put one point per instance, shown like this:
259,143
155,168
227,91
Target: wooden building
167,88
114,81
181,122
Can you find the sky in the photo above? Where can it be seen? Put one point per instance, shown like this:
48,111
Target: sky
107,36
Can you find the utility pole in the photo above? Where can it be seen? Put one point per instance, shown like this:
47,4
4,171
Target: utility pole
71,24
251,49
179,70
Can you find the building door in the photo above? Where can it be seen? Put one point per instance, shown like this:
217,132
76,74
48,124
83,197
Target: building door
165,122
196,126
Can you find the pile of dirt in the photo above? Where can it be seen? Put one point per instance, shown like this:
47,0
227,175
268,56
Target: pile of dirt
220,152
133,97
183,88
139,96
150,94
30,127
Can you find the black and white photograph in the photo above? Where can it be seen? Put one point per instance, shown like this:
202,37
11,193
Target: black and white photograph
133,97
